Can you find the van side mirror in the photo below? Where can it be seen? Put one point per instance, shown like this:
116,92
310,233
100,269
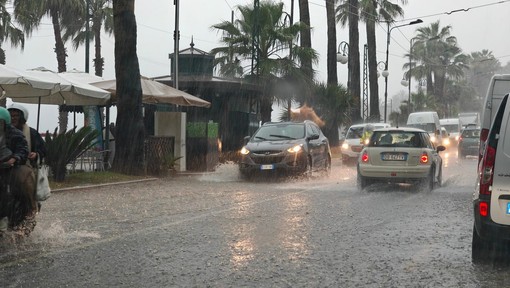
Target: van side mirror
440,148
246,139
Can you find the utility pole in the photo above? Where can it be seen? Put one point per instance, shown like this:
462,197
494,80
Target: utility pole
176,46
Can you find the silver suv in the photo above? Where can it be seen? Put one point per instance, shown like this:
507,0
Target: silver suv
491,198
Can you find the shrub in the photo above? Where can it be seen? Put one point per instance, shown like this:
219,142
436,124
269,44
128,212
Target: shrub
64,148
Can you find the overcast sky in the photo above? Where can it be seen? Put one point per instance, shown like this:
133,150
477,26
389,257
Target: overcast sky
479,24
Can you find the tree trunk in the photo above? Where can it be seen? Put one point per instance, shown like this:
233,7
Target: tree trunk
353,83
129,149
306,41
98,60
331,61
372,72
61,52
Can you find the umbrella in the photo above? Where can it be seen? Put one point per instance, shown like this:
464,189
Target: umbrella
17,84
69,91
80,76
72,92
154,92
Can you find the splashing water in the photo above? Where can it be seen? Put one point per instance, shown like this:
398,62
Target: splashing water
226,172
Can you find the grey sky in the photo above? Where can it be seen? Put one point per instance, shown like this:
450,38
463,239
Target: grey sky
484,26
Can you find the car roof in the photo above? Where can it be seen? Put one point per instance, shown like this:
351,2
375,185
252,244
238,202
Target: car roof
373,124
402,129
449,121
286,122
471,128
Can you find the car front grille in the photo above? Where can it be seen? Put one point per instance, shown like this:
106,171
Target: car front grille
267,157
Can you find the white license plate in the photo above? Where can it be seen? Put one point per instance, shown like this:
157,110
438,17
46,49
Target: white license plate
393,157
267,167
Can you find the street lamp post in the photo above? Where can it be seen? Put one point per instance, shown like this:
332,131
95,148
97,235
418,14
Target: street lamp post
344,48
409,73
387,54
343,58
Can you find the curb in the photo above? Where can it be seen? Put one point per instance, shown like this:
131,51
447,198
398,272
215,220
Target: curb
102,185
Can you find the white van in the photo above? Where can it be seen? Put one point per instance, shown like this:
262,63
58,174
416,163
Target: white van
498,88
452,126
428,121
491,198
469,119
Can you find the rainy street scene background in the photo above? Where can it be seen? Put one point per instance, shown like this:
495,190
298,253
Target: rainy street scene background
215,230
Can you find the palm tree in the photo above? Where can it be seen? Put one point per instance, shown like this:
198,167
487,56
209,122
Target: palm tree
332,104
437,57
100,12
129,150
331,58
29,14
372,12
275,38
8,31
306,38
347,13
482,65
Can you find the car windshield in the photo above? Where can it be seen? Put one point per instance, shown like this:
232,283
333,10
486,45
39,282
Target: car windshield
354,133
451,128
429,127
280,132
396,139
471,133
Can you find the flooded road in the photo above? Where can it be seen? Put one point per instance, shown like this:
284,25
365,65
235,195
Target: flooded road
215,230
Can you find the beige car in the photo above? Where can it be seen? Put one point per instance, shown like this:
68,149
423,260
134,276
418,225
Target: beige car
400,155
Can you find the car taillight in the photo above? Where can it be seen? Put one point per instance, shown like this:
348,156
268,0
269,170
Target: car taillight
484,134
486,170
424,158
483,209
364,157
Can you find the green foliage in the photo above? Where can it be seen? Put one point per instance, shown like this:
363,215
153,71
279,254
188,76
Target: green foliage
169,162
64,148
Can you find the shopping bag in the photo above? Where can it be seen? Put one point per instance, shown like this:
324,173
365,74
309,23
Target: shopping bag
43,185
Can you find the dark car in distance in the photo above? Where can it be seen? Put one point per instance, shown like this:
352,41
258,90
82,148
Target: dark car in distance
295,147
469,142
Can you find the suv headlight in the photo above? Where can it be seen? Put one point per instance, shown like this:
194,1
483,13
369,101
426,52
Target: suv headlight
244,151
295,149
345,146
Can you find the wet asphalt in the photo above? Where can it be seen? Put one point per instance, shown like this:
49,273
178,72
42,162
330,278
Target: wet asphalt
216,230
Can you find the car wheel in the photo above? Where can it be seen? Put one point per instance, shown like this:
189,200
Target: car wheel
308,168
440,177
244,175
428,182
327,166
361,182
480,248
